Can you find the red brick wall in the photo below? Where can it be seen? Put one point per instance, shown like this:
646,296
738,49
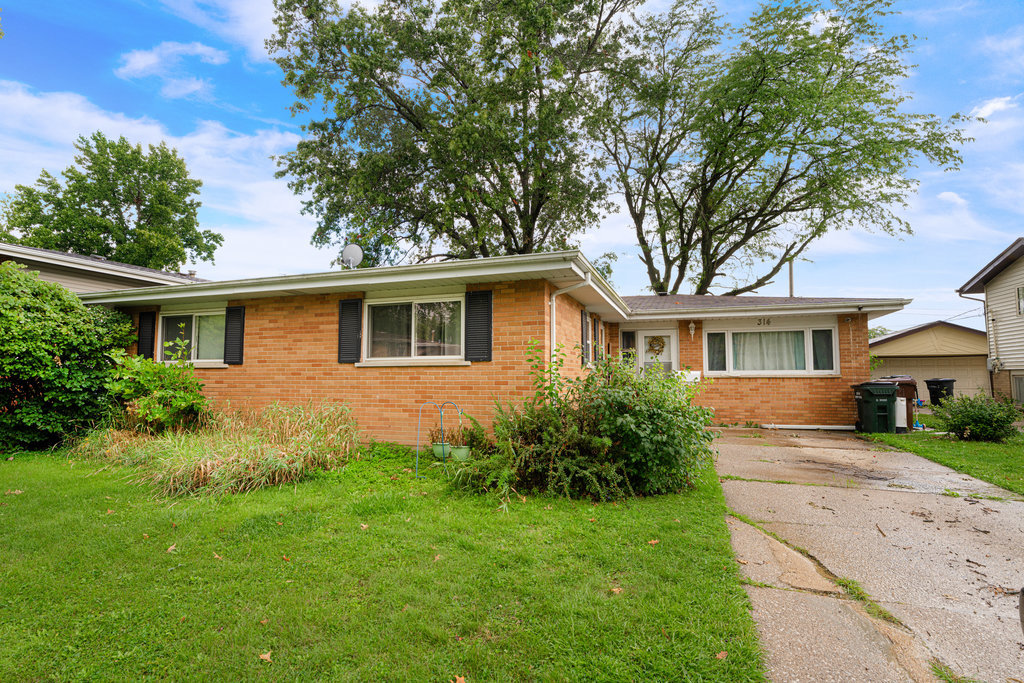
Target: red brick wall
291,347
787,400
291,355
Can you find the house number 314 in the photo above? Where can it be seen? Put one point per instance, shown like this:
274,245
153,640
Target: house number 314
764,321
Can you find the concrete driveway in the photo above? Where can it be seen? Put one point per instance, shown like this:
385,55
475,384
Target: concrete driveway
941,551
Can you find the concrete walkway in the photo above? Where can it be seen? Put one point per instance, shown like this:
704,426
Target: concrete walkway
931,546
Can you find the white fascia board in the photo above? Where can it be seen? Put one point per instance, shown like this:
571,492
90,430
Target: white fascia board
95,265
754,311
602,287
481,270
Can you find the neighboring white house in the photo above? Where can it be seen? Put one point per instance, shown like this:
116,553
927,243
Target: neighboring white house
82,274
1002,284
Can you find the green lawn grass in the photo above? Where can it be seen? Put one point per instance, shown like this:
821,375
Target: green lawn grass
359,574
1001,464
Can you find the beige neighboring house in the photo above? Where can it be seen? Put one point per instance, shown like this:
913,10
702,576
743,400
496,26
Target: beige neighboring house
935,350
1001,282
84,274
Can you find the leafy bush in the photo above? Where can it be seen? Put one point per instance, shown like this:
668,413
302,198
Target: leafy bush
978,418
53,359
234,452
605,435
150,396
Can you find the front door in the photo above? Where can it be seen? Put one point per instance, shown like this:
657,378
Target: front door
656,348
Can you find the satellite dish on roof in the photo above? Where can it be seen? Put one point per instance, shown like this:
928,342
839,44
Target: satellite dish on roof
351,255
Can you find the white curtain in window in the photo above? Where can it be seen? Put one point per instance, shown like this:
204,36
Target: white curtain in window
755,351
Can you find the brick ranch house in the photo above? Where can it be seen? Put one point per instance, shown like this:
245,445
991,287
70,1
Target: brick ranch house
385,340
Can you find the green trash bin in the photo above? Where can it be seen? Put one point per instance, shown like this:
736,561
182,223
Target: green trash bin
876,406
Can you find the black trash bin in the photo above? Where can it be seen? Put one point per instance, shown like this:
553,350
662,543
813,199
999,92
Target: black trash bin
876,406
939,389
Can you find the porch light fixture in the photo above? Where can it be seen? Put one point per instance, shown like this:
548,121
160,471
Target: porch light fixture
693,328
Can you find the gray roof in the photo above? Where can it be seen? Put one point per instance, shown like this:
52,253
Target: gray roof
976,285
185,278
673,302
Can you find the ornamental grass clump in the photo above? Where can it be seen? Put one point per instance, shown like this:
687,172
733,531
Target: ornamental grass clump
236,451
610,433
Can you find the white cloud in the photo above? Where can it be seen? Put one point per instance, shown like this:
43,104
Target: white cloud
264,231
996,104
164,62
164,58
1006,51
952,198
243,22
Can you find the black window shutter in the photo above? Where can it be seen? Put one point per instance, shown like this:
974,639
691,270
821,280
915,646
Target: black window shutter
350,330
234,334
597,339
147,334
584,338
478,326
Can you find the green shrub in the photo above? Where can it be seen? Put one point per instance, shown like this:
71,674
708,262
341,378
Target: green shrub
978,418
608,434
151,396
53,359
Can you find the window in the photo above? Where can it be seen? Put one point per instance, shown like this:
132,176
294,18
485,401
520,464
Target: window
770,352
202,335
427,329
1020,301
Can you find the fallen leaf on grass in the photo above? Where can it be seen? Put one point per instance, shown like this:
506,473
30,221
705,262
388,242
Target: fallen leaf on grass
182,619
173,525
722,655
547,507
406,469
280,523
15,492
394,477
264,621
266,656
174,546
285,558
742,561
145,535
364,526
592,519
10,458
458,679
217,557
654,541
436,558
110,512
408,518
616,590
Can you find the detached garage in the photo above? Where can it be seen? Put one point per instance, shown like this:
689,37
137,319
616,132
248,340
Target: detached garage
937,349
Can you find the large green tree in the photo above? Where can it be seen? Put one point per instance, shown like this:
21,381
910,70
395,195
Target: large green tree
736,148
118,201
450,128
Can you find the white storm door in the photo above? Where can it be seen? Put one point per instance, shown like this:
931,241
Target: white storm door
658,348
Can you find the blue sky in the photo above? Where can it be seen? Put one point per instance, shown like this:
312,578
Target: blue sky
194,73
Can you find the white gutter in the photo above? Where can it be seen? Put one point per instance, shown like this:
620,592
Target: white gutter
867,306
583,283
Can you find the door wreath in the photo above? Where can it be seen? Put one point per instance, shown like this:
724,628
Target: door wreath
655,345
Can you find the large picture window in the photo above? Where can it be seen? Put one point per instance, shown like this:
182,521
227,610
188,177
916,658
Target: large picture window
770,352
202,334
421,329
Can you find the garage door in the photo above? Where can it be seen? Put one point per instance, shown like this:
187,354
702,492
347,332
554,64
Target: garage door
969,372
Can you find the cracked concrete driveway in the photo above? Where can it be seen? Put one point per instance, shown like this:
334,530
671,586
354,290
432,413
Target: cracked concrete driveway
941,551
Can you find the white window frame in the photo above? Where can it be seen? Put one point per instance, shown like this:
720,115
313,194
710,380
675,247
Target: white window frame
672,334
809,371
1020,301
1016,395
194,342
413,359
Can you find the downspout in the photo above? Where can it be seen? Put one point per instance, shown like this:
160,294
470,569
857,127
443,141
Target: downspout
563,290
995,347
